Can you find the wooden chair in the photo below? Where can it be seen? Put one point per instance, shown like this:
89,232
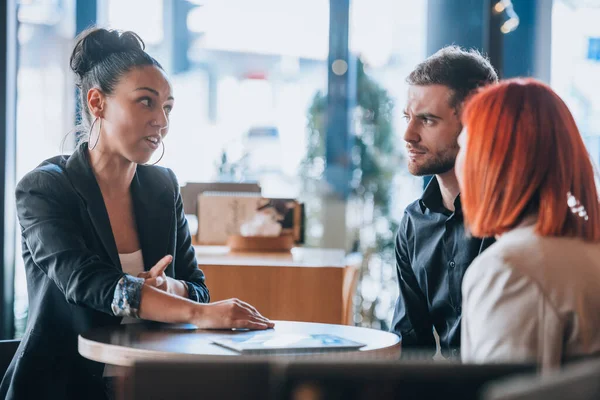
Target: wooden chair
351,273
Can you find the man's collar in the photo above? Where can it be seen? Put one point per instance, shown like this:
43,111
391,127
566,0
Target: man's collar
432,196
432,199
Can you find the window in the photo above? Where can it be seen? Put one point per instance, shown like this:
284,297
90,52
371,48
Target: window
254,67
45,102
576,66
389,37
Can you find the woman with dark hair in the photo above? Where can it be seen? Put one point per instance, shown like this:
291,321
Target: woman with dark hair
526,178
104,235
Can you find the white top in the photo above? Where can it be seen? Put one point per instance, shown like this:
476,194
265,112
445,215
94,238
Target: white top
532,298
132,263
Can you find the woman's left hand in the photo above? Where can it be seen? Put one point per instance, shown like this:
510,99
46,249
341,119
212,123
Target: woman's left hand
156,276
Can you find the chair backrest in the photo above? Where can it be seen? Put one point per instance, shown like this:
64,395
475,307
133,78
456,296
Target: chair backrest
579,381
382,380
351,273
8,348
235,378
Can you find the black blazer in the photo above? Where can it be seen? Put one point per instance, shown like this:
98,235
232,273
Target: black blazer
73,268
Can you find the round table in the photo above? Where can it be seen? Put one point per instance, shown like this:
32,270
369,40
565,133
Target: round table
123,345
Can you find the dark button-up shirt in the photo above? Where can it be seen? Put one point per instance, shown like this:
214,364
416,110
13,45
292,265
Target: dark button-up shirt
432,254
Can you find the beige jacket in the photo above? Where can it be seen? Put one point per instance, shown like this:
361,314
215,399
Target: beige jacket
532,298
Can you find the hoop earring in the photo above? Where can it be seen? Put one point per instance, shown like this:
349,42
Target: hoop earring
90,133
161,156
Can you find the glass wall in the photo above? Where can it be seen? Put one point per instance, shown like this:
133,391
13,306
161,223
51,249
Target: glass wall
45,100
389,37
241,105
576,65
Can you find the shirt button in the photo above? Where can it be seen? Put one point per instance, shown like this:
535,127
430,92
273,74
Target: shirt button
458,310
452,264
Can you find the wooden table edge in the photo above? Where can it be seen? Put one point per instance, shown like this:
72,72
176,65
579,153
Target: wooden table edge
121,355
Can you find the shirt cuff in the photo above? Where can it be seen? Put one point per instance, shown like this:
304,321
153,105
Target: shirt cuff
128,294
192,293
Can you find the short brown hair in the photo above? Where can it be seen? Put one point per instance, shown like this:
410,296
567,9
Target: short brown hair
460,70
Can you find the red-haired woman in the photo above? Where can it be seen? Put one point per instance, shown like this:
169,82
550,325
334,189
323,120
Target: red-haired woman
527,179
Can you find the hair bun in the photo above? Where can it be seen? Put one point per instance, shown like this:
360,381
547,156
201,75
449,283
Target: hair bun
96,44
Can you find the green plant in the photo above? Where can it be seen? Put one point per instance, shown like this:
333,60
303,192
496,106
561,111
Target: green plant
375,160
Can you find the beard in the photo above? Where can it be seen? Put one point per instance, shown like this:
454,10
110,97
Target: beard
438,163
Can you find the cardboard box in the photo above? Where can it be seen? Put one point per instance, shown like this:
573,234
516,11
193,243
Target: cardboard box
221,214
191,190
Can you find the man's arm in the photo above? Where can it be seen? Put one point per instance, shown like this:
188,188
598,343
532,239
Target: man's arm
412,321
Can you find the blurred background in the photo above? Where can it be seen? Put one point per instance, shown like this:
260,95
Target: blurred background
303,97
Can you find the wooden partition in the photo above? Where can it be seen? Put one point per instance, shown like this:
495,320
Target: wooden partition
312,285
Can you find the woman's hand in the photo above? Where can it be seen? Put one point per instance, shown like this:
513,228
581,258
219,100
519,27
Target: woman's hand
156,276
231,313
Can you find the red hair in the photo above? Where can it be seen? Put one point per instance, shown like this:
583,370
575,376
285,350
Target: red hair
524,154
